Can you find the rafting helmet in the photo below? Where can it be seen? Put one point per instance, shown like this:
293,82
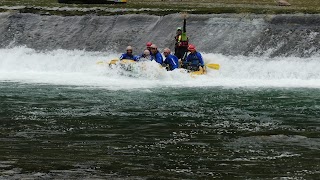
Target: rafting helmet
191,47
149,44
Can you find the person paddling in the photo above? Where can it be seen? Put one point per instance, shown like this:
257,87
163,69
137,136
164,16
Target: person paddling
171,62
181,41
149,46
129,55
155,54
146,55
194,60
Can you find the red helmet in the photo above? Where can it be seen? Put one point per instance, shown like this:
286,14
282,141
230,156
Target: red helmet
149,44
191,47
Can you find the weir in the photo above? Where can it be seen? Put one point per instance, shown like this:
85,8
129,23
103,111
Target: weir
227,34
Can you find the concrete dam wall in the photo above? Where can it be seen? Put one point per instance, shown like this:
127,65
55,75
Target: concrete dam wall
228,34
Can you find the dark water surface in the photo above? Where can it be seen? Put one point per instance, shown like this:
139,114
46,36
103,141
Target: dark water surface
60,132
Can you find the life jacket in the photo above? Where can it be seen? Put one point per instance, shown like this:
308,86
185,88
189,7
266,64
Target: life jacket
127,56
182,40
194,59
172,61
130,57
157,57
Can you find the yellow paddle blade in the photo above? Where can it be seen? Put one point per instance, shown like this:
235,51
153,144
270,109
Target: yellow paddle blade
213,66
127,61
114,61
100,62
123,61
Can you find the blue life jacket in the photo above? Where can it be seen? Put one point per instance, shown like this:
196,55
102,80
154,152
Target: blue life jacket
127,56
173,61
195,59
157,57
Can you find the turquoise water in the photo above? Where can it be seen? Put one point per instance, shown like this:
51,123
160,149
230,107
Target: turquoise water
65,116
63,132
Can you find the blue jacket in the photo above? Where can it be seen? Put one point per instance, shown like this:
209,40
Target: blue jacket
195,59
126,56
173,61
157,57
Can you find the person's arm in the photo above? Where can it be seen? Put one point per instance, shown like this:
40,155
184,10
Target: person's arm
136,58
179,62
153,58
175,62
187,60
122,56
166,61
176,43
200,59
184,25
159,58
184,56
184,31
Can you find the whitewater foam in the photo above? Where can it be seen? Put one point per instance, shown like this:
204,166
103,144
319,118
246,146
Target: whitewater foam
80,68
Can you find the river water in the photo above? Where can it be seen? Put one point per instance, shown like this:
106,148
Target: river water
63,116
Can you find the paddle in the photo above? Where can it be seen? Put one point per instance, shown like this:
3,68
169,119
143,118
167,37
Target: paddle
213,66
113,61
100,62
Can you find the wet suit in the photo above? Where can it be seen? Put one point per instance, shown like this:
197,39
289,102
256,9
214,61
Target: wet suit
172,61
193,61
181,45
127,56
157,57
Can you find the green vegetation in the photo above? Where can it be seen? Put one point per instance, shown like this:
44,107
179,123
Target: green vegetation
162,7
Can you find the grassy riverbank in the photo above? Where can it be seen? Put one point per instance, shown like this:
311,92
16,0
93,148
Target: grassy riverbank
162,7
